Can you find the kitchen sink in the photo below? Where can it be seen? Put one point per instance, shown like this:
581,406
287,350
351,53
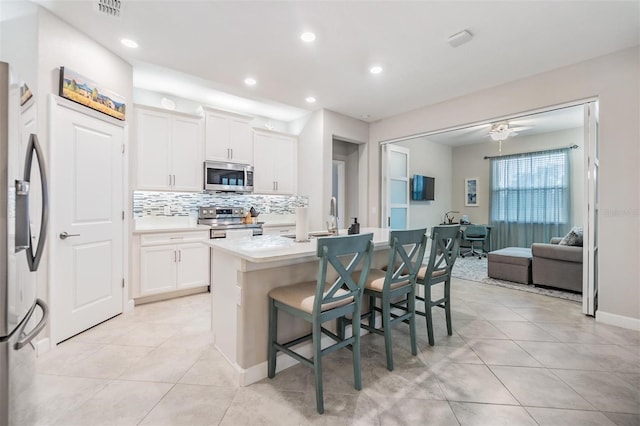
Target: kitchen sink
314,234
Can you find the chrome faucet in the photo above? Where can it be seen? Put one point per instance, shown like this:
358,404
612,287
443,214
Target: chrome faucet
332,223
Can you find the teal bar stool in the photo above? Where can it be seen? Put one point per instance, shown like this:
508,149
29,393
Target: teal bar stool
395,286
445,244
320,301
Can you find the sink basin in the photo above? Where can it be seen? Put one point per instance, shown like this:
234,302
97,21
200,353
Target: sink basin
314,234
320,234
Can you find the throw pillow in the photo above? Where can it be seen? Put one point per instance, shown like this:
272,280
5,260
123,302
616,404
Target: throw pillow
573,238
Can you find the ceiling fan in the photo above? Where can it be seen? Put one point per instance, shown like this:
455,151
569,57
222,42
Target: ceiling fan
501,131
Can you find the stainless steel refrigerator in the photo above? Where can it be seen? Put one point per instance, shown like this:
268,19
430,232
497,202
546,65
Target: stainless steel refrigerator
22,314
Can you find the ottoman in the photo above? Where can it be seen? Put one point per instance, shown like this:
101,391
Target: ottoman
511,264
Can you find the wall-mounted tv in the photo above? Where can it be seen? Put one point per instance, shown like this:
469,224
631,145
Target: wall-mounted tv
423,188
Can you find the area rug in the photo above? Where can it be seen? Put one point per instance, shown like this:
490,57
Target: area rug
474,269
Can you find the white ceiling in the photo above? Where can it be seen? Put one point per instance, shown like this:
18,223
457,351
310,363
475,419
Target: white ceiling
204,49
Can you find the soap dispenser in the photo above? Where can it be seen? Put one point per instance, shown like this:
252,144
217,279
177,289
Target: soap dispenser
354,228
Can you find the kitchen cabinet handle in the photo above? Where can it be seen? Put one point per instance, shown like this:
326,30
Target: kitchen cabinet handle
179,255
169,180
175,256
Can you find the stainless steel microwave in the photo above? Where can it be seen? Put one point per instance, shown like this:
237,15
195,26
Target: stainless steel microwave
228,177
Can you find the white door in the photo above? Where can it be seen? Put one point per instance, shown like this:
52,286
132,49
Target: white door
590,223
395,178
87,220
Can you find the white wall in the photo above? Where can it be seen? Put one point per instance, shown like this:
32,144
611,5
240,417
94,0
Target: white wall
19,22
310,169
614,79
468,161
430,159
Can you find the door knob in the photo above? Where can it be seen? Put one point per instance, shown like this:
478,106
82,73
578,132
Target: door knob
64,235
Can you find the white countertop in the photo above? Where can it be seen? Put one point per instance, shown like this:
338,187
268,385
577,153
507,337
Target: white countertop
271,248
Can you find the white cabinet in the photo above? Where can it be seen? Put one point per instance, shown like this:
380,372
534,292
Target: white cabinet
173,261
228,137
170,150
275,163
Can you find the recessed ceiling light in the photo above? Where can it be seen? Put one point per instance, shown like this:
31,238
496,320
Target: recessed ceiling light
310,99
376,69
308,37
129,43
250,81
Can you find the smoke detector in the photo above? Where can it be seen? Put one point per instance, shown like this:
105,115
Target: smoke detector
109,7
460,38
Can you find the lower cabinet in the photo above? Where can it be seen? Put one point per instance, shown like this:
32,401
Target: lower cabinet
173,261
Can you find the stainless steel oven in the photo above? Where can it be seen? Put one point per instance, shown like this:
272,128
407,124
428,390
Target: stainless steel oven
227,220
228,177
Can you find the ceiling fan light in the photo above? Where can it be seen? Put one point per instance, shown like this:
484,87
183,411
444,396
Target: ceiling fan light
499,136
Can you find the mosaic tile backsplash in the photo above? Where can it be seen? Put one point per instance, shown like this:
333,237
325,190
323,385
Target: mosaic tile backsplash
150,203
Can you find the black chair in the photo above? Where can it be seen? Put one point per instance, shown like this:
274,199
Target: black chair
475,234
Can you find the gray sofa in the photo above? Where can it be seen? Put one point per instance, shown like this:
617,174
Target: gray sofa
556,265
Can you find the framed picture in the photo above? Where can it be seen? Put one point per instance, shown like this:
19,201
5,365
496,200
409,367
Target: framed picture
471,191
80,89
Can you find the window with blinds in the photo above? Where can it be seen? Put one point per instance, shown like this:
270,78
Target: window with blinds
531,188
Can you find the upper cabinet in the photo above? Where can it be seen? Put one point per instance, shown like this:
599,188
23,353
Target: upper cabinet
170,150
228,137
275,163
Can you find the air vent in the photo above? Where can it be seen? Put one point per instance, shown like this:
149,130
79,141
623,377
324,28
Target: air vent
109,7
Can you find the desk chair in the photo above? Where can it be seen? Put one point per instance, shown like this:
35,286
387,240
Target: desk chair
320,301
396,281
474,234
445,245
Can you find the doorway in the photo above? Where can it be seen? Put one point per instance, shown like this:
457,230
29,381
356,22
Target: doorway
551,127
345,185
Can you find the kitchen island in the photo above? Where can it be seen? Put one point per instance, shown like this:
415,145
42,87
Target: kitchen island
243,271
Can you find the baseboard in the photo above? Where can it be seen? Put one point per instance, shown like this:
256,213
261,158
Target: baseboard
618,320
43,346
128,307
170,295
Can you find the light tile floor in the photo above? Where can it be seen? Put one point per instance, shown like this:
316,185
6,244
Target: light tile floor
515,358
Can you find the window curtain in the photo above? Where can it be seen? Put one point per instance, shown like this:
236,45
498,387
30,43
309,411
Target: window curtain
530,198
